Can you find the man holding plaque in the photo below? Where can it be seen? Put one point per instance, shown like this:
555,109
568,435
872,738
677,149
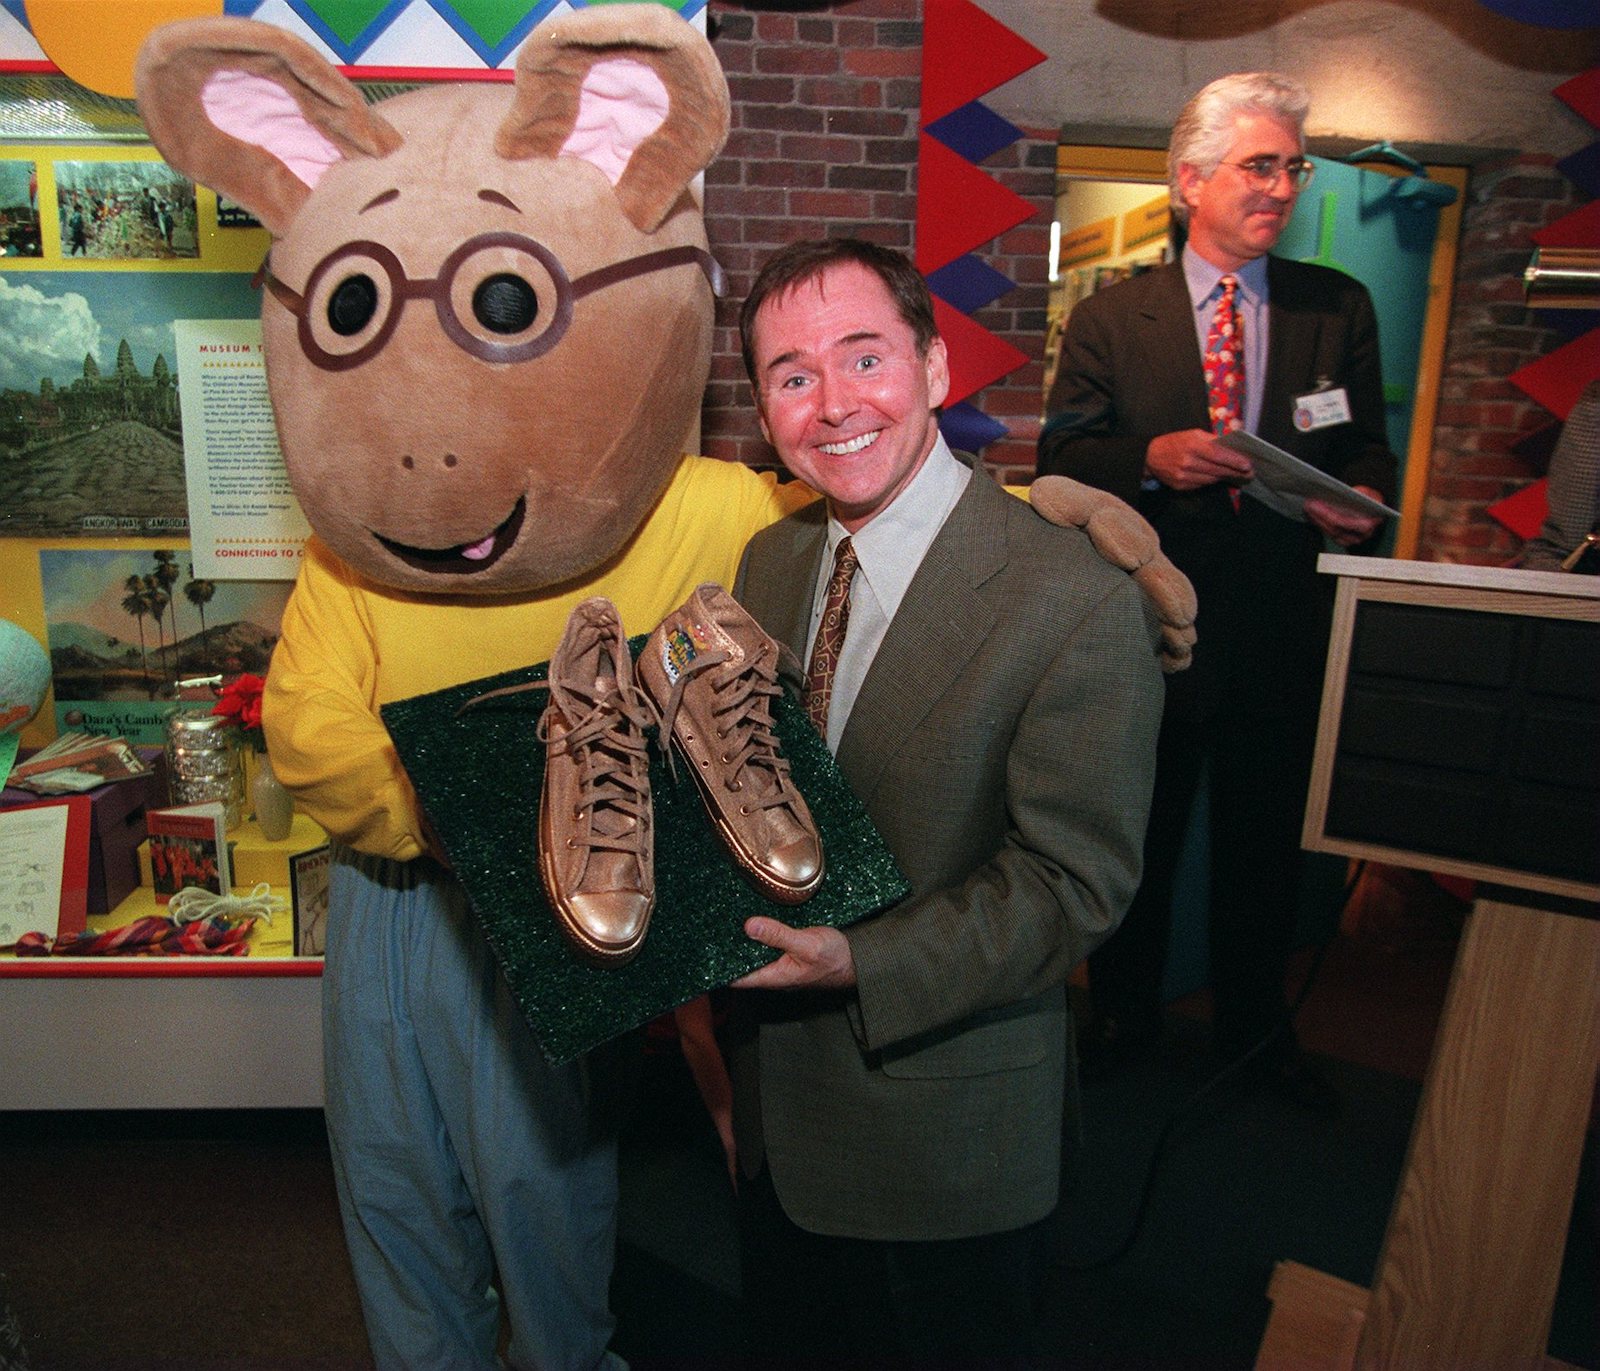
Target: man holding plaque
1154,372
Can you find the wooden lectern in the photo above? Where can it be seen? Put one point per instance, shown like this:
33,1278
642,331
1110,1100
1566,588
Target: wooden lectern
1460,733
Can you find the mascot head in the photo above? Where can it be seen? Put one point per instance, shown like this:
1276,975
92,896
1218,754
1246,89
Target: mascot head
487,309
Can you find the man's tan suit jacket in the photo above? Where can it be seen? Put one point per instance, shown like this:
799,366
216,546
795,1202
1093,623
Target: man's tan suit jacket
1003,741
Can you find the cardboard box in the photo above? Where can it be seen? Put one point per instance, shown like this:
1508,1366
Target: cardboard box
116,828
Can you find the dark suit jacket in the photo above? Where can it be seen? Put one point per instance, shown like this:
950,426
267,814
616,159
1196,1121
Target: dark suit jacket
1130,370
1003,742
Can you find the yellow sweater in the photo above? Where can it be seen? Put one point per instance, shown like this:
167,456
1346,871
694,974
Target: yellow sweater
349,645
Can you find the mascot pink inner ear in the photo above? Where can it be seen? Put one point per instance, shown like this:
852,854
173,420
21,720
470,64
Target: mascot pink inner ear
260,112
622,103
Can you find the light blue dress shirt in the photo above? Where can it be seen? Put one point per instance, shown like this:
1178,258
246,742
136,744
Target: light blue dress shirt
1205,289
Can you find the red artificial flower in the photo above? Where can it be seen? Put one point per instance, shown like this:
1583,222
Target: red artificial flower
240,701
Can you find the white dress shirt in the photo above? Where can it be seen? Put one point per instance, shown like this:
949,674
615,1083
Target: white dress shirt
889,550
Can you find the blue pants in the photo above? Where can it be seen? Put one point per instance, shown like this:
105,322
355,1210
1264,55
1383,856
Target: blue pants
469,1171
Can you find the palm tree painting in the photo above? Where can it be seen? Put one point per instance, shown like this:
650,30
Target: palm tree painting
134,603
166,574
158,600
109,680
199,593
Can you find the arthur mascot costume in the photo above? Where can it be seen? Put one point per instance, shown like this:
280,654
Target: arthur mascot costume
487,313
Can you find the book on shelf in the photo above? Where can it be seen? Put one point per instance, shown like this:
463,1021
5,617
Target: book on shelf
77,762
188,846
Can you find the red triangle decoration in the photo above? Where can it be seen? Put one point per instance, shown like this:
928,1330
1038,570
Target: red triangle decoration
1523,511
1582,93
965,54
1580,228
958,206
1557,378
977,357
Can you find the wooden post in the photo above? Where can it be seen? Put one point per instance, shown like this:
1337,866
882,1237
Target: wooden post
1473,1250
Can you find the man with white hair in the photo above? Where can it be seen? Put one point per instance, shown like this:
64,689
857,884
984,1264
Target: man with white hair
1153,371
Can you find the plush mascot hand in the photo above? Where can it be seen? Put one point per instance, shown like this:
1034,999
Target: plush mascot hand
1122,536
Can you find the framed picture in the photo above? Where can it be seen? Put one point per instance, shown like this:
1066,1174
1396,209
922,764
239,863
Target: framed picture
308,886
44,868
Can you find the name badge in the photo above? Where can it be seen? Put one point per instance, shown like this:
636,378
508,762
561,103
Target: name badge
1321,409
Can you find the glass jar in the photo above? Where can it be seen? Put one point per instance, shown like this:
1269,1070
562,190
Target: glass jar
203,762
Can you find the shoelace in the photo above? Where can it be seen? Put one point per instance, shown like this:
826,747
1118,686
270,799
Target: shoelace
607,753
604,750
742,693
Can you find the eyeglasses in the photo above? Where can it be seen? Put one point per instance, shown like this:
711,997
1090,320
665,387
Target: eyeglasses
501,297
1263,172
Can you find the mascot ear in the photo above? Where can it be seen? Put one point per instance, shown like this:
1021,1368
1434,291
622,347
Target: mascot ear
633,90
253,112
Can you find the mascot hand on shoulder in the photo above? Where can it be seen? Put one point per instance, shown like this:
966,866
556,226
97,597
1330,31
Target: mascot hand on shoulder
488,319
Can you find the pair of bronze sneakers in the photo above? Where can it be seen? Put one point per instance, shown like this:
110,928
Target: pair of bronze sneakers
708,676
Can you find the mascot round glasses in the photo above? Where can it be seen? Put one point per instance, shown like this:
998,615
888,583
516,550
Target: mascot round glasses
487,295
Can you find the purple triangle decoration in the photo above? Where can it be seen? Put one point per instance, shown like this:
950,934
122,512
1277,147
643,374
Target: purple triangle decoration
969,283
975,131
967,429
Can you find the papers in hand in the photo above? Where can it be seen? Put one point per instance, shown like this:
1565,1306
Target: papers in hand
1284,483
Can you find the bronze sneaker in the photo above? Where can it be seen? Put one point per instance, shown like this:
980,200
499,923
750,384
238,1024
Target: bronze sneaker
713,673
596,840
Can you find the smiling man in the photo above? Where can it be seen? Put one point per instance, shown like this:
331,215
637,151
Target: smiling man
989,688
1152,372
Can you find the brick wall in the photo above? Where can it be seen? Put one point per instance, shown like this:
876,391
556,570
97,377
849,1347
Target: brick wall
824,142
1492,333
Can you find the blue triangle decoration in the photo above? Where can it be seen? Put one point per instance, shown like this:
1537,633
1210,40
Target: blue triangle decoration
974,131
348,53
1582,168
492,54
1535,448
1546,14
352,53
968,284
1569,323
969,430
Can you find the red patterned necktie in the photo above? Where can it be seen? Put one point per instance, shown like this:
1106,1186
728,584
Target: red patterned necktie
1224,367
830,636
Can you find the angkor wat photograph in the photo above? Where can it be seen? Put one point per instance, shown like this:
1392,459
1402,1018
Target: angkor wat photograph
91,442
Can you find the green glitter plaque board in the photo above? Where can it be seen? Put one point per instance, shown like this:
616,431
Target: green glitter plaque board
478,778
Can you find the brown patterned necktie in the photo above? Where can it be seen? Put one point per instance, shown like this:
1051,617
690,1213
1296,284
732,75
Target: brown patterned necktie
1224,367
830,636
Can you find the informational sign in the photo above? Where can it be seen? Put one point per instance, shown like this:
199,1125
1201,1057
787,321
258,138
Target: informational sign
244,520
1144,222
1088,242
